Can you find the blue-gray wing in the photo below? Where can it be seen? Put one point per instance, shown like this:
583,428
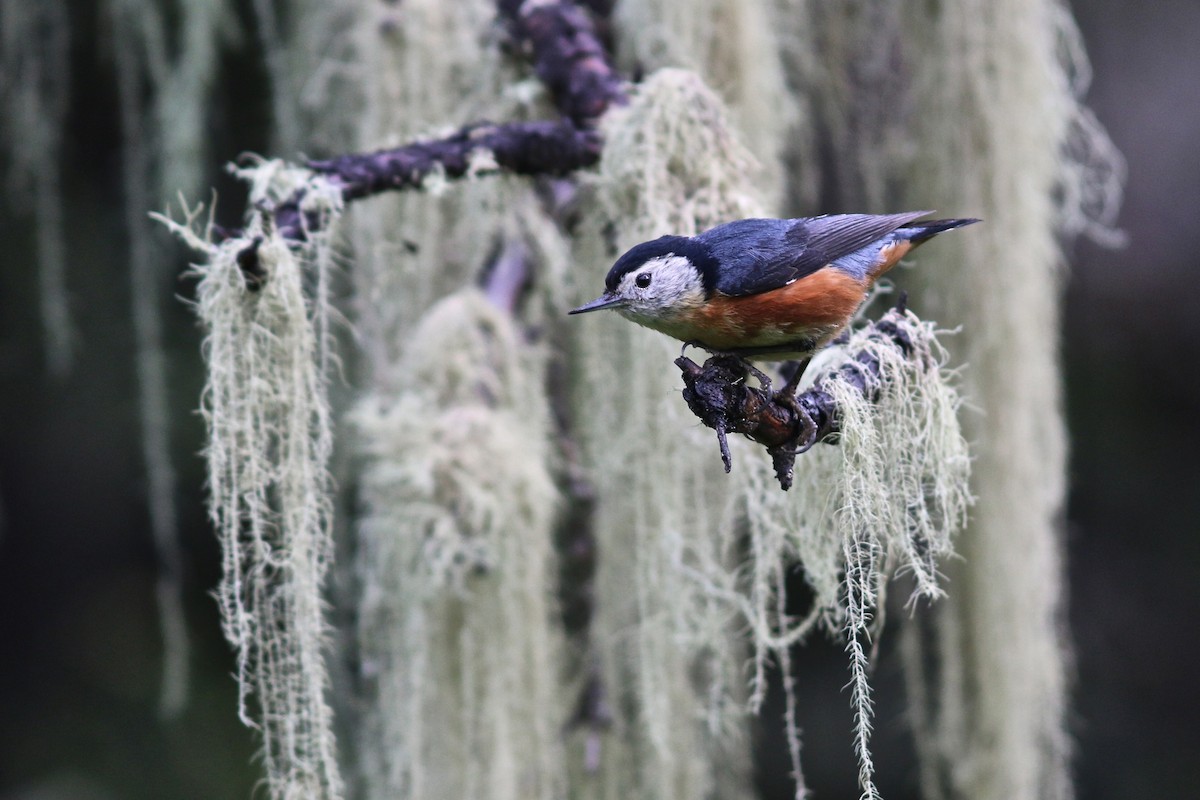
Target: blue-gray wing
758,255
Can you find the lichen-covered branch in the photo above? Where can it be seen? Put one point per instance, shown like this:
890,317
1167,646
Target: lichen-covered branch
718,394
567,55
544,147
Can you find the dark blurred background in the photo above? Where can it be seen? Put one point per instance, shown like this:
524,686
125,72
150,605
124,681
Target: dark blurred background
79,638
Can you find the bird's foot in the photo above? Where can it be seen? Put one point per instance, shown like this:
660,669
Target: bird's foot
736,361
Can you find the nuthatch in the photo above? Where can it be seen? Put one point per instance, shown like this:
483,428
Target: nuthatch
772,289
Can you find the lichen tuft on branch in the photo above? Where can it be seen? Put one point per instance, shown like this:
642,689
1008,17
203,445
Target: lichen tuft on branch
717,393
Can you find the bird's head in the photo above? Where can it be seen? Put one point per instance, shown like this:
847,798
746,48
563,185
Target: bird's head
653,281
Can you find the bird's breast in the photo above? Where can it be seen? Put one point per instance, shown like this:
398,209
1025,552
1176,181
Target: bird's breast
815,307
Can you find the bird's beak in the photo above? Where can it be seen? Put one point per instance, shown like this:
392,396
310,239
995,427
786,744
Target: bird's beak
606,300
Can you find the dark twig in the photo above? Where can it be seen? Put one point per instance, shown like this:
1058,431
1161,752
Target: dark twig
549,147
567,56
718,394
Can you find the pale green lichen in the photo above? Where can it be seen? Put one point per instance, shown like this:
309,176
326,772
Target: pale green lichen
131,55
734,46
270,438
422,69
460,645
454,568
886,500
184,81
988,676
994,670
162,97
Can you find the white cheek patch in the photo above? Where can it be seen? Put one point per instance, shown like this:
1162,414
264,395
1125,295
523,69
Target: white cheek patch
674,285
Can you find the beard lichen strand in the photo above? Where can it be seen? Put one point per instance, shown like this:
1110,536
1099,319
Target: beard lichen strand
888,498
734,46
457,564
994,726
34,80
270,439
453,553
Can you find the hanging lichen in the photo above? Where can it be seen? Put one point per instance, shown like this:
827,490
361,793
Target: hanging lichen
454,569
460,642
269,444
886,500
849,64
993,674
1092,171
183,87
734,47
423,67
273,31
136,37
973,108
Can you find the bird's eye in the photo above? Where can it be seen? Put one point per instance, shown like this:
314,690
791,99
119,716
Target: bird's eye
642,280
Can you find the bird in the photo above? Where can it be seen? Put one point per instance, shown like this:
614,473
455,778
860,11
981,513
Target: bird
763,289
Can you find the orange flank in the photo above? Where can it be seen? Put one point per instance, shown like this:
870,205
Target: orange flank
816,306
889,256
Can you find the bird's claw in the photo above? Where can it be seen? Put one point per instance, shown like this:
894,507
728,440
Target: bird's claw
759,375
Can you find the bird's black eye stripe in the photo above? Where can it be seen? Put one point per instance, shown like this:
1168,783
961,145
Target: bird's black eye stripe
642,280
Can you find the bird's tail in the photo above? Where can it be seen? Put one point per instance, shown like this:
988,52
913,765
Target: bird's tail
919,232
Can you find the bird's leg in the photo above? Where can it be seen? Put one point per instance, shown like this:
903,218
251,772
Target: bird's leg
788,393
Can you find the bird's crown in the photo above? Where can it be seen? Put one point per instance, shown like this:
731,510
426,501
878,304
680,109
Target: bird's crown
638,255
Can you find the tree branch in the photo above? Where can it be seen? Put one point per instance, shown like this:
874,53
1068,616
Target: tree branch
717,393
567,54
547,147
523,148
